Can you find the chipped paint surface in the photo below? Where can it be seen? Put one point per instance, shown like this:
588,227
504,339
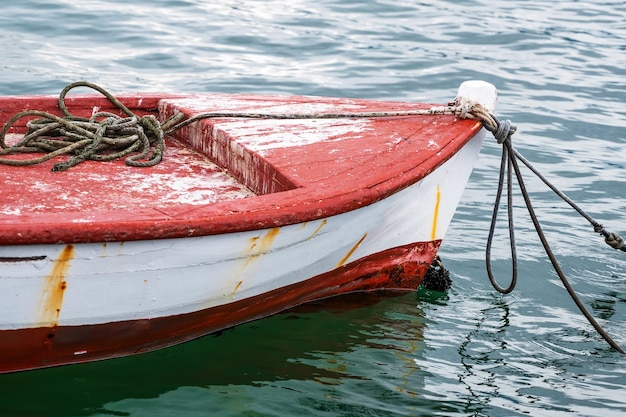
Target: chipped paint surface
432,144
152,289
265,105
184,178
266,135
54,288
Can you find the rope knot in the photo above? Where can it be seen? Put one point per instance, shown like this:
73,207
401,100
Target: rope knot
504,130
614,240
464,110
151,127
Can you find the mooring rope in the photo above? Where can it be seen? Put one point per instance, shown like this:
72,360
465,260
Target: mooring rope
106,136
503,132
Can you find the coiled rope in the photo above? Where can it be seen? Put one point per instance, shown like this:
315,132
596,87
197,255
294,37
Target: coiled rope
102,137
508,164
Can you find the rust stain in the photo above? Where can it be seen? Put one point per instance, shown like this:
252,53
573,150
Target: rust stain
262,244
316,231
351,251
258,245
54,288
433,232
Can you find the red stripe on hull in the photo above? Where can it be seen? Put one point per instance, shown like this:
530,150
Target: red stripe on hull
400,268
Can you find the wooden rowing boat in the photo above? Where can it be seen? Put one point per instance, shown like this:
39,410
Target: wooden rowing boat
243,218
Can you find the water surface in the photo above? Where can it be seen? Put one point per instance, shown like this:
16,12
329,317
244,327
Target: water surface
560,68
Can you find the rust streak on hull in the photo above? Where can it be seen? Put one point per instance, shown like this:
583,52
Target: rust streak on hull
262,244
55,284
351,251
433,233
319,228
258,246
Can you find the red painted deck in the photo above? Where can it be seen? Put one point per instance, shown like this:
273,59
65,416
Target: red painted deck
212,167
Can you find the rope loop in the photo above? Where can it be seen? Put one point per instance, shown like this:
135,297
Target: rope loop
504,131
509,163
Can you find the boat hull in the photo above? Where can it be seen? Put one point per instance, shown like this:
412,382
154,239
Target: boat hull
89,301
96,297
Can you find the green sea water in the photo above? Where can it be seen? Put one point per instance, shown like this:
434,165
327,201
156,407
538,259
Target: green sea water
560,68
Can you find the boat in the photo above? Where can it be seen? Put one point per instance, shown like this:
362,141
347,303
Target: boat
271,202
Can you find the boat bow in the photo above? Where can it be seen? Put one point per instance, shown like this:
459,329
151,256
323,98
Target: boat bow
242,219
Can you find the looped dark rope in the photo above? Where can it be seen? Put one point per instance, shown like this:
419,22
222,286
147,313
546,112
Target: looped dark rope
504,169
508,164
505,131
610,238
102,137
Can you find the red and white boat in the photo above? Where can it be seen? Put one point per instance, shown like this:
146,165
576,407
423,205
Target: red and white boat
242,219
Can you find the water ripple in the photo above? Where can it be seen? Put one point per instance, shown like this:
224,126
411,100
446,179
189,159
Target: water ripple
559,67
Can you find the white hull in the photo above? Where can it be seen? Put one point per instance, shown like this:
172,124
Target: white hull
96,283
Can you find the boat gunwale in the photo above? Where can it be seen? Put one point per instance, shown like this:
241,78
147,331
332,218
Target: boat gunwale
298,205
